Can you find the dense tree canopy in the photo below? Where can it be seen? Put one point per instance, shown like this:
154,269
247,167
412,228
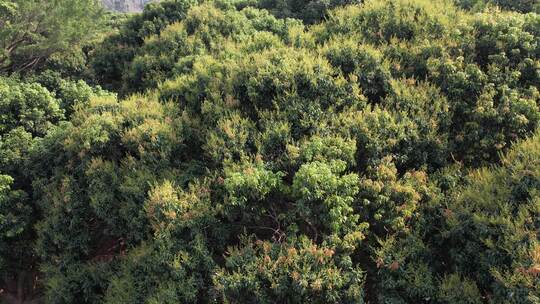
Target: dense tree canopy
31,31
28,111
377,152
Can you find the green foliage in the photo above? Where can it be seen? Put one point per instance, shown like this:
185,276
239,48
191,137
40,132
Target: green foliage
482,242
325,197
362,64
523,6
14,221
389,200
204,30
377,22
115,54
300,272
505,246
309,11
249,183
29,106
31,32
70,93
383,152
29,111
455,289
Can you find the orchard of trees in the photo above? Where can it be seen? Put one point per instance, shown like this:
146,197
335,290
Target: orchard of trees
270,151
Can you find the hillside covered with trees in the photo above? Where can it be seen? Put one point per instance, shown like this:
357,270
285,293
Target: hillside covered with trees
264,151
